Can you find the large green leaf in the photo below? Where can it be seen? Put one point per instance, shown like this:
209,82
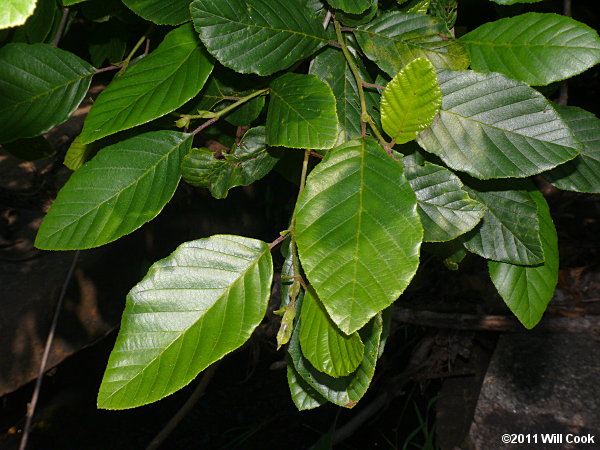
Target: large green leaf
248,161
527,290
160,12
344,391
358,232
15,12
330,66
493,127
583,173
351,6
410,101
41,26
123,187
190,310
258,36
323,344
302,113
510,229
158,84
535,48
303,394
40,86
394,39
445,208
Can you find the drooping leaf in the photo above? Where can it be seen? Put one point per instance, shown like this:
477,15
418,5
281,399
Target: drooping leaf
15,12
583,173
123,187
158,84
394,39
302,113
262,36
173,12
40,86
354,20
78,153
358,232
527,290
191,309
323,344
493,127
40,26
344,391
330,66
445,209
30,149
510,229
248,161
537,48
410,101
350,6
303,394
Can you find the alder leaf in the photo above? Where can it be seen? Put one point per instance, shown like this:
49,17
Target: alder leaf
303,394
173,12
15,12
190,310
351,6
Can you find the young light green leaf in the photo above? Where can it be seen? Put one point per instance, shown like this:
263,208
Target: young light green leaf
358,232
394,39
40,86
158,84
303,394
410,101
344,391
418,6
302,113
323,344
191,309
78,153
527,290
493,127
248,161
351,6
262,36
583,173
173,12
510,229
15,12
123,187
445,209
537,48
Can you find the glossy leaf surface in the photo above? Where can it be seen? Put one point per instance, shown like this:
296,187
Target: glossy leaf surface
410,101
178,319
15,12
537,48
262,36
302,113
323,344
525,289
160,12
40,86
583,173
123,187
358,232
158,84
493,127
394,39
351,6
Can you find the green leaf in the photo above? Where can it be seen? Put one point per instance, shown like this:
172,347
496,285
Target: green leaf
493,127
302,113
173,12
354,20
510,229
527,290
78,153
344,391
262,36
40,86
394,39
351,6
30,149
410,101
248,161
40,26
323,344
418,6
536,48
123,187
358,232
303,394
191,309
330,66
15,12
583,173
158,84
445,209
